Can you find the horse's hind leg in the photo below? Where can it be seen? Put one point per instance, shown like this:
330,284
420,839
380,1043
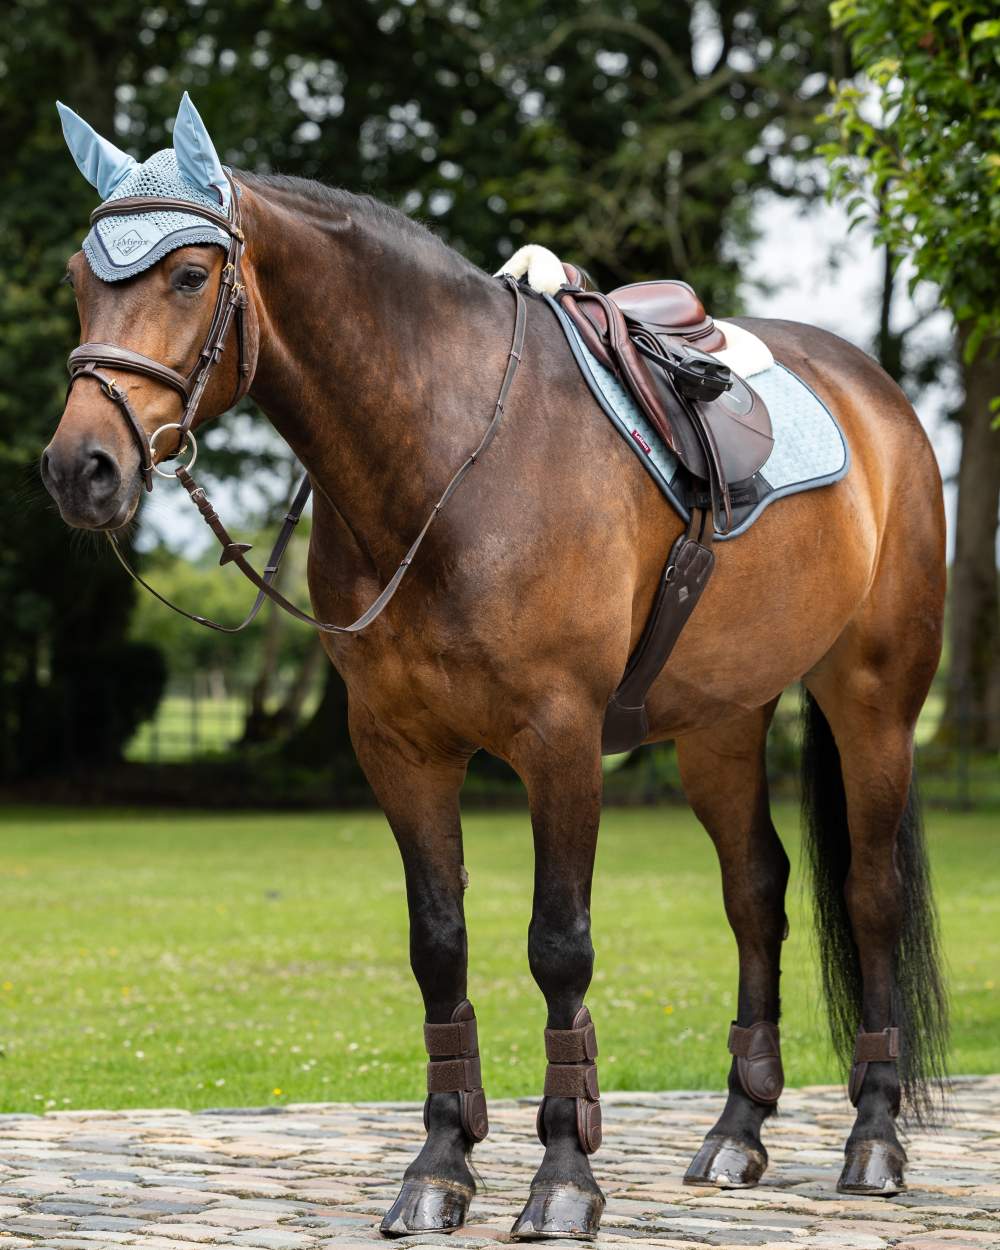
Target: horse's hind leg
724,777
877,930
420,801
562,771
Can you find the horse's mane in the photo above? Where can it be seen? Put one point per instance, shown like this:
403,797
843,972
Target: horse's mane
340,201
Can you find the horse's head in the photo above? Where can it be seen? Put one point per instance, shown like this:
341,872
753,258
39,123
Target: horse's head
149,288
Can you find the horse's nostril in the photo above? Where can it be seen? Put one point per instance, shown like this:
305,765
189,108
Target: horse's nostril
48,471
102,472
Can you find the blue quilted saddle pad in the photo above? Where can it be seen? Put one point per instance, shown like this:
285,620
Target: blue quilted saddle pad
809,446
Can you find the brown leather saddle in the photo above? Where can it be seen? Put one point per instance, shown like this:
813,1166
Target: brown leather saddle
658,339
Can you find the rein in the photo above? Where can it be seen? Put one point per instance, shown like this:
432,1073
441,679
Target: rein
231,303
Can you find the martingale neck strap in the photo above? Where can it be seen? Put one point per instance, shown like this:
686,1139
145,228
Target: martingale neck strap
235,553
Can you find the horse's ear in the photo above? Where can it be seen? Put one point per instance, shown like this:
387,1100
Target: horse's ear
197,158
101,163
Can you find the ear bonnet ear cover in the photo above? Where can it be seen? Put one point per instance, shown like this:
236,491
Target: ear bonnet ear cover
120,247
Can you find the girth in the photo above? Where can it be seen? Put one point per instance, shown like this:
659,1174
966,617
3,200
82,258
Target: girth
230,303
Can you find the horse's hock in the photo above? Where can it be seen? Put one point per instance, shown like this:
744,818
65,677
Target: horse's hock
321,1176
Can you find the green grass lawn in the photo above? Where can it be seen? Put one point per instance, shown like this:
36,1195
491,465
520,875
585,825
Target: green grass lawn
195,961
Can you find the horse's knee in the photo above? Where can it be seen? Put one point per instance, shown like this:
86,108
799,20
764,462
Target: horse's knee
560,952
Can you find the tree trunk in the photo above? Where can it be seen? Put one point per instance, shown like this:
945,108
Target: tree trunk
972,714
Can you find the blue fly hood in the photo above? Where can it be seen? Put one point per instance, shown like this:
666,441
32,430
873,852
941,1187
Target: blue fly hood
119,247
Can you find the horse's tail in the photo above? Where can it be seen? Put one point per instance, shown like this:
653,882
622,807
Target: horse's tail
920,1008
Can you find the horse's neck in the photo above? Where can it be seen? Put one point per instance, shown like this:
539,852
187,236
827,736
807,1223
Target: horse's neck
380,356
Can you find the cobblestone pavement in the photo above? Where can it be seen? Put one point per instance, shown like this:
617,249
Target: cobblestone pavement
321,1175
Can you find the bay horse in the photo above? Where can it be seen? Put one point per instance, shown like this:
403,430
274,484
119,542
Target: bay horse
378,353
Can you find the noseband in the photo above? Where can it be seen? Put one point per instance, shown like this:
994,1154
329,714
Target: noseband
231,302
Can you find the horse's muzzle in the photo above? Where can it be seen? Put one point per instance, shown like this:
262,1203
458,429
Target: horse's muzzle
87,482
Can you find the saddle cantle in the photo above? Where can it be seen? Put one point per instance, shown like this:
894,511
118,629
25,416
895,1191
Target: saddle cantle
658,338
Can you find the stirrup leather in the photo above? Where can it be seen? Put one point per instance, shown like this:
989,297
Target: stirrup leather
453,1068
871,1048
572,1073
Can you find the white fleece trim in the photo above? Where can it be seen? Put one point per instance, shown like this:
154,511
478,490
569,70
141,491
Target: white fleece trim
544,268
744,352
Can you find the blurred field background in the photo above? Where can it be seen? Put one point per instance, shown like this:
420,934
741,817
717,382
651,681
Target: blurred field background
255,959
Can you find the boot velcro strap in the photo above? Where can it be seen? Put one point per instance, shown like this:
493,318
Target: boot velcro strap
571,1045
755,1041
448,1076
458,1038
572,1081
877,1047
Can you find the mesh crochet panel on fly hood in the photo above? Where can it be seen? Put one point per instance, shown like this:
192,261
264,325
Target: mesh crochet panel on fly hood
119,247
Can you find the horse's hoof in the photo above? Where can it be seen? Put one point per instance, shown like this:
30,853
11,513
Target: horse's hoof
559,1211
427,1206
873,1167
727,1163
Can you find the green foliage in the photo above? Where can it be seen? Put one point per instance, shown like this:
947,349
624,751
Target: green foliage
919,153
197,961
611,136
224,595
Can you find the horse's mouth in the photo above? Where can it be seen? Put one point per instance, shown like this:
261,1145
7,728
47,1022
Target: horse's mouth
116,521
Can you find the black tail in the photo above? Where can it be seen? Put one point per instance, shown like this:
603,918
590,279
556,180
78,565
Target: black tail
921,1008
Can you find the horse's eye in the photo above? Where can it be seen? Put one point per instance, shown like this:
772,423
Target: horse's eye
190,278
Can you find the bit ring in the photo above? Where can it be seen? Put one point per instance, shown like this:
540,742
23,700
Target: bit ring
189,440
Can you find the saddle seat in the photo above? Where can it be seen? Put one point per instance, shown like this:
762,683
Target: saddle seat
667,303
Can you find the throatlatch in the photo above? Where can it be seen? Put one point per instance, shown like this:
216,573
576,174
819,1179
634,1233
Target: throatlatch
871,1048
572,1073
453,1068
757,1050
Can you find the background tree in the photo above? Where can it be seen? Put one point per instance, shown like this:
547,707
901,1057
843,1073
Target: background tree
917,152
633,140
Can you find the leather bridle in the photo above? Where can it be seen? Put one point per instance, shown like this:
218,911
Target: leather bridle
231,302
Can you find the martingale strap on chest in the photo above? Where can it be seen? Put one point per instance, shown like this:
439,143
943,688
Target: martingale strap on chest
88,358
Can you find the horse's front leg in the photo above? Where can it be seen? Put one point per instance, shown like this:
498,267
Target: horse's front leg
420,801
725,779
563,777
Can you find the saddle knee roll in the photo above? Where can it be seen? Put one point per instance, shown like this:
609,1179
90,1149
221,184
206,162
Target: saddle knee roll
572,1073
757,1050
453,1068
